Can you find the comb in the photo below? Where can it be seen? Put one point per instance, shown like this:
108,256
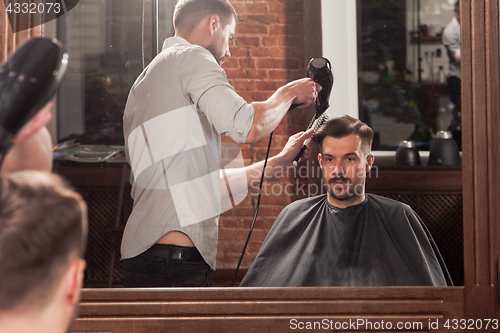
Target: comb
316,124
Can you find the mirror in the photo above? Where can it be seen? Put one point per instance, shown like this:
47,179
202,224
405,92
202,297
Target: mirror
107,57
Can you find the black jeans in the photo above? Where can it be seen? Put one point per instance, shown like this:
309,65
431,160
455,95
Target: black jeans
147,270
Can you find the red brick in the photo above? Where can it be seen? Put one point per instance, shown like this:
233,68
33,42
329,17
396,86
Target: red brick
246,29
286,29
291,17
260,96
277,52
247,63
263,18
246,153
258,235
261,144
279,140
247,41
232,234
286,6
244,85
230,222
260,52
247,96
257,8
257,74
282,129
269,85
244,211
253,248
298,118
240,8
276,63
278,74
231,63
238,51
266,211
231,246
295,41
235,73
270,41
277,196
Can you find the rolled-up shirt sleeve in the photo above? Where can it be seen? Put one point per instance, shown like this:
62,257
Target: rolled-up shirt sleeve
204,82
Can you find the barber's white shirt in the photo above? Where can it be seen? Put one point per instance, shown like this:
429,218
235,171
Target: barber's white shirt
175,114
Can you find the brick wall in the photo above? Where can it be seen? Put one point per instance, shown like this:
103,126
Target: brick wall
267,53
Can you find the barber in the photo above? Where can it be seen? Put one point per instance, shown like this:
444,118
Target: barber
175,114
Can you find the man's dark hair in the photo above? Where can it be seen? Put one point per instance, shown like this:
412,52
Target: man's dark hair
457,7
189,13
43,225
345,126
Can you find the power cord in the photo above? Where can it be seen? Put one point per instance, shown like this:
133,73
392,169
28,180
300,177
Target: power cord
256,210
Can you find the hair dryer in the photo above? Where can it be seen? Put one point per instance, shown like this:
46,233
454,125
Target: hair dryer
28,80
320,70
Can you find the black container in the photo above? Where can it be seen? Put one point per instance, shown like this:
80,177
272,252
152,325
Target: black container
444,150
407,154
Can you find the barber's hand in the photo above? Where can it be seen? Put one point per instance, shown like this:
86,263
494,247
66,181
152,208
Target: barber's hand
293,147
306,91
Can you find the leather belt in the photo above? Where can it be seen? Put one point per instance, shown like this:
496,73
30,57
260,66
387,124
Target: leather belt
175,253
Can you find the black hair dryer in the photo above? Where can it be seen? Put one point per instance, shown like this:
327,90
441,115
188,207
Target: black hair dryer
28,80
320,70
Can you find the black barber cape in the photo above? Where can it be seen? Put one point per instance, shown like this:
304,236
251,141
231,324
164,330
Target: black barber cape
379,242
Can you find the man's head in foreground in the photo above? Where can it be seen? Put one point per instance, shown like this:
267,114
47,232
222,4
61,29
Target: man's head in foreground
345,158
43,228
208,23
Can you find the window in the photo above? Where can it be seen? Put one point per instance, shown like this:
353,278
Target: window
109,42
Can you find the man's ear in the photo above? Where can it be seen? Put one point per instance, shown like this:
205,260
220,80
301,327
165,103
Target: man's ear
369,162
320,160
73,280
214,24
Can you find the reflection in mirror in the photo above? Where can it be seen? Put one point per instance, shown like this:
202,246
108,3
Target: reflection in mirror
410,71
107,45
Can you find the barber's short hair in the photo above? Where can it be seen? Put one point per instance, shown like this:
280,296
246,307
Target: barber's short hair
457,7
43,225
189,13
345,126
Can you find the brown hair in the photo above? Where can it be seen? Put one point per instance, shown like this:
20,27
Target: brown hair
189,13
345,126
43,224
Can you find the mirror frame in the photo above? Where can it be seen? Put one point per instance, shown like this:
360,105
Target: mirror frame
272,309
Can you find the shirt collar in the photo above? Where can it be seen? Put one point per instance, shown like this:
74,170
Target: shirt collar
174,41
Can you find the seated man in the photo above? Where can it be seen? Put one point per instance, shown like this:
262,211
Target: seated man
347,237
43,227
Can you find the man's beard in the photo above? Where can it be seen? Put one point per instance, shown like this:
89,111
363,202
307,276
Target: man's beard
352,189
215,50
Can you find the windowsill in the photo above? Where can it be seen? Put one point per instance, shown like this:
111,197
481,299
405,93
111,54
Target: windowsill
385,159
